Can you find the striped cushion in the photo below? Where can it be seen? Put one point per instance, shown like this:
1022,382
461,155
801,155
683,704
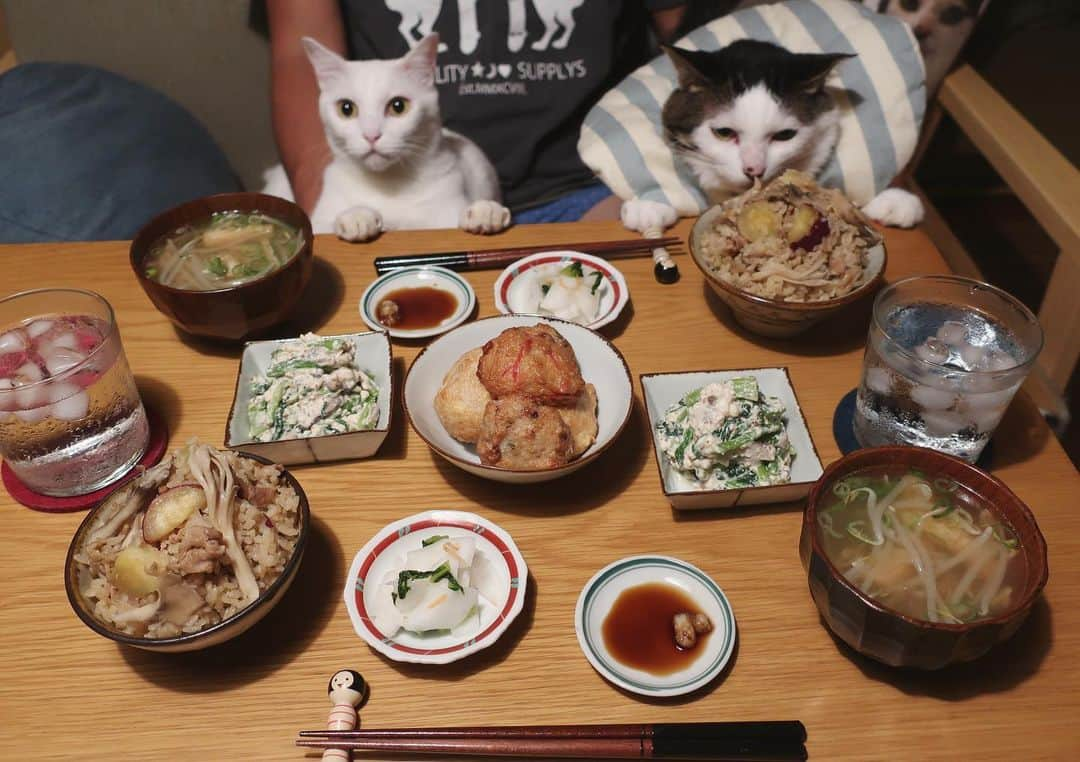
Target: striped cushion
621,139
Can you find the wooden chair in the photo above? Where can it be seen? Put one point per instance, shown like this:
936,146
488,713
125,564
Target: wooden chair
1047,184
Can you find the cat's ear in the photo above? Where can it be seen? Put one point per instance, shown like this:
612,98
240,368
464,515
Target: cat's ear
690,78
420,61
812,69
327,63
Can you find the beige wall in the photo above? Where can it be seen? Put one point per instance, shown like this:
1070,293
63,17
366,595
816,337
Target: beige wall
199,52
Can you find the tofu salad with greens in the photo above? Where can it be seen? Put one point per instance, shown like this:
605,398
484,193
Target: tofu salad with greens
313,387
727,435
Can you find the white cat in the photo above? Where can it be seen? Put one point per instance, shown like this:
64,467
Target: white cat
394,166
749,111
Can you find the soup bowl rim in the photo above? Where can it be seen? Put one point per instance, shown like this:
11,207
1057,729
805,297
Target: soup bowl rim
875,457
247,202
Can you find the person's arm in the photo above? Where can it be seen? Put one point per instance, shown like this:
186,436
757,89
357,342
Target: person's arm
294,91
666,20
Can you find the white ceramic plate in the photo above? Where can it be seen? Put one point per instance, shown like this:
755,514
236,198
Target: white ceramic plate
519,278
601,365
604,588
382,552
373,354
662,390
417,277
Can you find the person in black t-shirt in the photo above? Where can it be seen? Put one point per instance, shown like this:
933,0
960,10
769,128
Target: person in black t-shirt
515,76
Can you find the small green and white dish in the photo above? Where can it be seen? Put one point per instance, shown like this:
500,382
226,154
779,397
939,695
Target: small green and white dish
600,594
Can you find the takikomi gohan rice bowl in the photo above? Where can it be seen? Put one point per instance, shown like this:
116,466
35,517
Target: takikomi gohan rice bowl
190,553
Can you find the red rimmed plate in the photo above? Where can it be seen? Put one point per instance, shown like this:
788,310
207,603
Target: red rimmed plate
494,614
520,277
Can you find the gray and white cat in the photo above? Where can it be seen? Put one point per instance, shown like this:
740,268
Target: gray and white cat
394,166
752,110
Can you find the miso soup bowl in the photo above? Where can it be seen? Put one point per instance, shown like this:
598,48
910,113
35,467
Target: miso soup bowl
239,312
224,630
886,635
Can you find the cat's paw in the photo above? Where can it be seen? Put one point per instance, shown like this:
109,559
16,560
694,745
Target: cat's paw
896,208
484,217
647,216
359,223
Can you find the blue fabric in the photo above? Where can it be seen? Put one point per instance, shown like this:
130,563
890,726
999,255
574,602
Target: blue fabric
568,208
88,155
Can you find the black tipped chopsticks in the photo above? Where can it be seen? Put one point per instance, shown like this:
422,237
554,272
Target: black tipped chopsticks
781,741
480,260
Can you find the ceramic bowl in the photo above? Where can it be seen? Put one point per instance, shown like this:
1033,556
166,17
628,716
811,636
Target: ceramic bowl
425,276
888,636
373,354
239,312
377,558
601,365
662,390
601,592
772,317
518,283
210,636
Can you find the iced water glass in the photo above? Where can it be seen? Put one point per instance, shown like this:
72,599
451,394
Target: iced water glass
944,357
71,420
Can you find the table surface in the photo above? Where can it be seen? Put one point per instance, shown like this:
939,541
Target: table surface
248,698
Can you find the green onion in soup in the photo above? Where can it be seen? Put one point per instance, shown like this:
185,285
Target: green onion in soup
227,250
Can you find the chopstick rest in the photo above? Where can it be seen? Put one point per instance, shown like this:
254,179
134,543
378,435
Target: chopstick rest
347,691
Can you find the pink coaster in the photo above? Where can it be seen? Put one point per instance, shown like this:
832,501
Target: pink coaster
155,448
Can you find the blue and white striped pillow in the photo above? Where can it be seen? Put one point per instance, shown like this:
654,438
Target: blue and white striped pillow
621,139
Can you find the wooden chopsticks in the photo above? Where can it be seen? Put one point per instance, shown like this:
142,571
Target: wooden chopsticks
485,259
734,741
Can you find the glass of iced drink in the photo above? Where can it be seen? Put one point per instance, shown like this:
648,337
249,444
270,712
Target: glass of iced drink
71,420
944,357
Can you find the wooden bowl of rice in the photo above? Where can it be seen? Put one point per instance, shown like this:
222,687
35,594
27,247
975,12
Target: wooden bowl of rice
771,317
222,617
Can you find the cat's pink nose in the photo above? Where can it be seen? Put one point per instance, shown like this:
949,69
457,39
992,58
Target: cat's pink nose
372,137
753,170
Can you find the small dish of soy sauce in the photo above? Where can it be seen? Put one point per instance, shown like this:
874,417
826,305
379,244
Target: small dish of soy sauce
637,622
417,302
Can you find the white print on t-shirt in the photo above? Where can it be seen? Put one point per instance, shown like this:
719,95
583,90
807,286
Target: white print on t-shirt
415,13
418,18
527,71
552,13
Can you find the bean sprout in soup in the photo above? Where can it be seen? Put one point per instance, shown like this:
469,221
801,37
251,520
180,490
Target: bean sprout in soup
228,249
923,546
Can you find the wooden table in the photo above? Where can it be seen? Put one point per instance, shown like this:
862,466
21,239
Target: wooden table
65,691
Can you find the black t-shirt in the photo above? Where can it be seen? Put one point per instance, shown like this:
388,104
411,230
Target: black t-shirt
516,76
